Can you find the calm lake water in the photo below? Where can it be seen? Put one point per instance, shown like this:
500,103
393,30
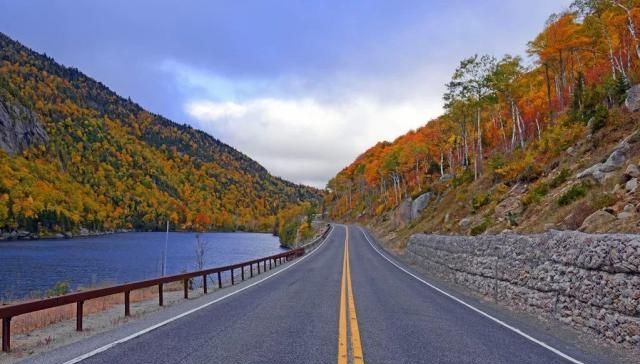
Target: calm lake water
28,267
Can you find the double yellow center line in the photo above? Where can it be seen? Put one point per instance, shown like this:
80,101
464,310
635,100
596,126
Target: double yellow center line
348,317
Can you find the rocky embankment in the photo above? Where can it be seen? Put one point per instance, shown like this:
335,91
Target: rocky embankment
26,235
590,282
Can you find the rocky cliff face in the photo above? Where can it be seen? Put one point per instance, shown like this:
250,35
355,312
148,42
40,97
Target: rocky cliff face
591,282
19,128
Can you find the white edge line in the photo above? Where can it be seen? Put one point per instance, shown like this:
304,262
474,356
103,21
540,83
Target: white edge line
163,323
514,329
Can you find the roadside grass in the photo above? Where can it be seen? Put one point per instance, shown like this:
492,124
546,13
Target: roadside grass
26,323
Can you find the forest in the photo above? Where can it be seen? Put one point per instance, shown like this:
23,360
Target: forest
108,164
507,119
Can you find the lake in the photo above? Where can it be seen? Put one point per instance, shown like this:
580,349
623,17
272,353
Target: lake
33,267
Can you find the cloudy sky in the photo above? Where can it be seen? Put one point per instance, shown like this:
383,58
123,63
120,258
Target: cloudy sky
303,87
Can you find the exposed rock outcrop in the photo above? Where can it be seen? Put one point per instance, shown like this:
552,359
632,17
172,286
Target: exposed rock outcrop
19,128
632,102
419,204
614,162
632,171
597,221
632,185
402,214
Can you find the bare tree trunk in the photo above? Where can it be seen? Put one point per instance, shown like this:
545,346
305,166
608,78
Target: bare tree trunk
503,133
396,187
475,162
630,25
513,136
520,125
465,145
546,73
514,121
561,82
557,83
479,154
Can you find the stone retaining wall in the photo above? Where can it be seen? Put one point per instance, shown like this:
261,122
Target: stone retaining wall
591,282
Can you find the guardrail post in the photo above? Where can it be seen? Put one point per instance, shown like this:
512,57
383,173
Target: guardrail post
6,334
160,295
251,269
269,264
219,280
186,288
232,282
204,283
264,262
79,306
258,267
242,268
127,310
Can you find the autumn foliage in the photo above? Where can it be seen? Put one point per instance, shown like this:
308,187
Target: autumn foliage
109,164
505,119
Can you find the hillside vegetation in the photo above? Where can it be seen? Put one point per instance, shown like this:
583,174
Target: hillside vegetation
76,155
510,150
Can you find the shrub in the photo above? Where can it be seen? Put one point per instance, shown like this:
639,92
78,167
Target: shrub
536,194
530,174
480,228
480,200
617,89
560,179
288,233
305,231
464,178
575,193
58,289
599,118
602,200
495,163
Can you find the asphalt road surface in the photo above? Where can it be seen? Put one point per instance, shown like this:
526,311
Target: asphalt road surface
343,303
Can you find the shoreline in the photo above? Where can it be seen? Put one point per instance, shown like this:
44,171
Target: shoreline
27,236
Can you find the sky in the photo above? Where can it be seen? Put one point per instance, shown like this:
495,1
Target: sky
303,87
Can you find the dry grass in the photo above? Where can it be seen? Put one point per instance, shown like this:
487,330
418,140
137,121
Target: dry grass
40,319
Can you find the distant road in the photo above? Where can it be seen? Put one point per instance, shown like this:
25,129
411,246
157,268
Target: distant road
344,303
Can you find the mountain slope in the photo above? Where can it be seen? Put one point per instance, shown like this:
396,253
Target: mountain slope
75,154
511,149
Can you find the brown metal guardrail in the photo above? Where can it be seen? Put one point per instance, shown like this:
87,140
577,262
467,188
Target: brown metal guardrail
9,311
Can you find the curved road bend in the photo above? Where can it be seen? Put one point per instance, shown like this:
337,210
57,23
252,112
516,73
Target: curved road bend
309,314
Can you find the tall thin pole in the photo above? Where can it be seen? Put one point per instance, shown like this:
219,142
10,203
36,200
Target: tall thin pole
164,252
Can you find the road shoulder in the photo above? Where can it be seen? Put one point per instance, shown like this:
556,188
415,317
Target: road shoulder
555,333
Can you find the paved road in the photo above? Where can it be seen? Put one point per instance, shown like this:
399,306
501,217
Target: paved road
295,317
